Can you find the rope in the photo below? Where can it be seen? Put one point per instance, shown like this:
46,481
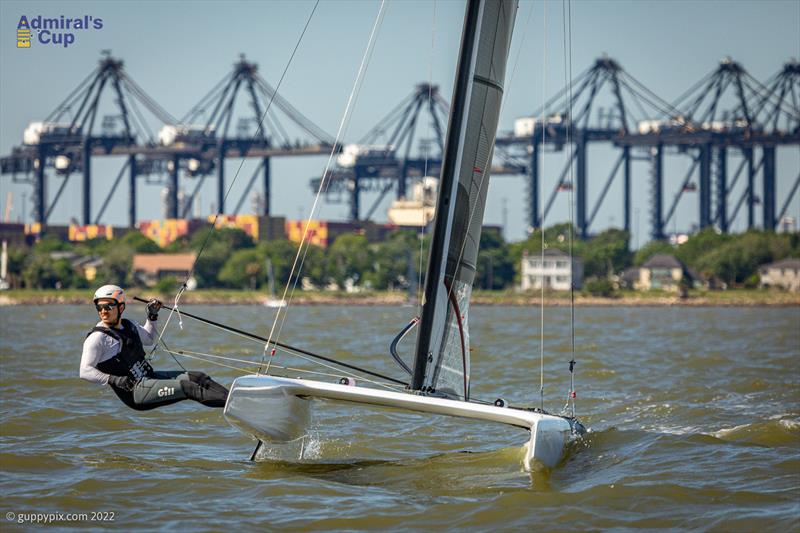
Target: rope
324,182
160,339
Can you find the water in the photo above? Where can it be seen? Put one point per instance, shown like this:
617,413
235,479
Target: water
694,412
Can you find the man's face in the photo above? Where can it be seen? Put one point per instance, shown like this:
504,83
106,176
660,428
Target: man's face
108,310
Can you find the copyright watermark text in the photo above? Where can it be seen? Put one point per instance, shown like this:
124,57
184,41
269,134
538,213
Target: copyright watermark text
52,518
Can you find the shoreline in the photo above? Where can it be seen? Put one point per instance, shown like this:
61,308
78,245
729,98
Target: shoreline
730,298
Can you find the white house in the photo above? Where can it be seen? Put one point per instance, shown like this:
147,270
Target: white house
784,273
554,272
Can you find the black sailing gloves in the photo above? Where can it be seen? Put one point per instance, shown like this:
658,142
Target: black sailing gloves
121,382
153,307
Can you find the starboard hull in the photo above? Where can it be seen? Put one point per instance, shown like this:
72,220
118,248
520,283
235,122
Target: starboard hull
277,409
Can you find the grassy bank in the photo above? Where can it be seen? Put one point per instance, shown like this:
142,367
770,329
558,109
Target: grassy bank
735,297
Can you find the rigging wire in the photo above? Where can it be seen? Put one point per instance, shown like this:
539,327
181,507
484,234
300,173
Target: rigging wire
290,349
297,265
209,358
541,220
566,13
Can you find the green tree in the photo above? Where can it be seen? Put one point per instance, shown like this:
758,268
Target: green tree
209,263
650,249
558,235
599,287
738,258
42,272
392,258
17,258
167,285
314,267
699,244
606,253
233,238
282,253
495,269
349,257
117,266
93,247
139,243
217,246
245,269
50,243
180,245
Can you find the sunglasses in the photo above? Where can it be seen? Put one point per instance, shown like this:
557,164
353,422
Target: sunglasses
107,307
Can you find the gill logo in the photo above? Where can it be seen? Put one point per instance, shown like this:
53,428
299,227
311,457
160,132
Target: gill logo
23,34
166,391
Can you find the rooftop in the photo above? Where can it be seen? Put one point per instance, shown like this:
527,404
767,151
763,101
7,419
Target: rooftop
548,252
154,263
663,261
790,262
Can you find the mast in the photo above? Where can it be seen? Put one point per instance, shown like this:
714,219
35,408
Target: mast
441,361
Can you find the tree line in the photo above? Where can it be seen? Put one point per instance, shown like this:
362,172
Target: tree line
231,259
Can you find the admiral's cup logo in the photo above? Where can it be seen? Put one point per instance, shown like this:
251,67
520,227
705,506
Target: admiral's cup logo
60,31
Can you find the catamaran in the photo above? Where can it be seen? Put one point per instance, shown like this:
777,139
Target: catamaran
277,409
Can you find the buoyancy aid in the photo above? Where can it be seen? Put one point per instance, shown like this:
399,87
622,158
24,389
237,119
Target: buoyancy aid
130,361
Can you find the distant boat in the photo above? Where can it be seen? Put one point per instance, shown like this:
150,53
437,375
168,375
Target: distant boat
4,267
275,408
272,301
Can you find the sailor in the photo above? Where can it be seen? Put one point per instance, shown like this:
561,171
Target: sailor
113,354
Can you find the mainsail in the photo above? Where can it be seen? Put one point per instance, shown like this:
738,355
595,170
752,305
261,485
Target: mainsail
442,359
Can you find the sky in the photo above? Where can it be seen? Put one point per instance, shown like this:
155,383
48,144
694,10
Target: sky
176,51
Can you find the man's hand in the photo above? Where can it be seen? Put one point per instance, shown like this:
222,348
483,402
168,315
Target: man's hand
122,382
153,307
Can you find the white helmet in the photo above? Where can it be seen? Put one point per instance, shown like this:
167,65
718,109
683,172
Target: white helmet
110,291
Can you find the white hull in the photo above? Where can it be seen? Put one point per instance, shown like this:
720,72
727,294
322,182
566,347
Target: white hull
278,409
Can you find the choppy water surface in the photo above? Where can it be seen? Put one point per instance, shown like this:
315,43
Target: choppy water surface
695,418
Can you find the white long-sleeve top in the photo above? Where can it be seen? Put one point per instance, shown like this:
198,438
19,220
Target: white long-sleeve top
99,347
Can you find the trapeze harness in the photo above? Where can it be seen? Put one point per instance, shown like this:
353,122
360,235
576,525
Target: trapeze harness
154,389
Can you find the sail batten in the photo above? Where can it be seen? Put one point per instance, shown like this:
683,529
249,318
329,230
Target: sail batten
442,353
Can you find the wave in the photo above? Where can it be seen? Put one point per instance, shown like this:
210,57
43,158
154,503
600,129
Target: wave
772,433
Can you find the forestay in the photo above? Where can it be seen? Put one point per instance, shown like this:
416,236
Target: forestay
442,359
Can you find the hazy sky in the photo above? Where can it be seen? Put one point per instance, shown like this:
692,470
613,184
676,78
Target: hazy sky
177,51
